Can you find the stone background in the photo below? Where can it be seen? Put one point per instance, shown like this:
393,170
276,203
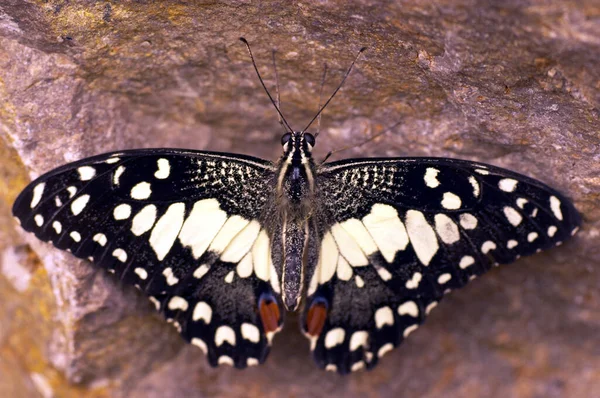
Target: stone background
512,83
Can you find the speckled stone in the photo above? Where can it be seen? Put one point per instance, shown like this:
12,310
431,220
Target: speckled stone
515,84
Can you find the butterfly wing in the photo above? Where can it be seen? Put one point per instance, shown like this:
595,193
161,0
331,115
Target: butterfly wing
183,226
397,234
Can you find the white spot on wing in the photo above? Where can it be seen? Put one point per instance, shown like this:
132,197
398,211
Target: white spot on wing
475,185
466,262
446,229
112,160
178,303
444,278
122,212
360,234
118,174
334,337
532,236
487,246
431,177
164,169
511,244
384,273
120,255
552,230
343,270
144,220
357,366
387,230
252,362
141,191
38,191
166,229
244,267
72,191
100,238
229,277
57,201
468,221
451,201
224,334
384,316
512,216
521,202
431,306
201,271
203,312
142,273
250,332
507,184
409,330
170,277
79,204
359,339
409,308
232,226
421,235
39,220
225,360
86,173
242,243
348,247
385,349
202,225
555,207
261,256
57,226
414,281
75,236
359,281
327,258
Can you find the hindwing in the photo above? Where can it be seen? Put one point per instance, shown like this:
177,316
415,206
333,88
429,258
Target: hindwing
183,226
397,234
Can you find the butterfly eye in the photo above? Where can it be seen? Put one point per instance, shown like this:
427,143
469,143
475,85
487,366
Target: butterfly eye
310,139
286,138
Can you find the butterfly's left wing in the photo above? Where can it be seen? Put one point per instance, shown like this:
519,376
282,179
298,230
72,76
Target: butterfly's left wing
397,234
183,226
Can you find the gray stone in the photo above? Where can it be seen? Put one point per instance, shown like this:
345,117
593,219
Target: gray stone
515,84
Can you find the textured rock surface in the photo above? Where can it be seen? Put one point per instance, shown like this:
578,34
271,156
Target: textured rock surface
515,84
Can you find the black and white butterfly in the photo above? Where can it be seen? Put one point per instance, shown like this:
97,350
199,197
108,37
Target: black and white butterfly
223,244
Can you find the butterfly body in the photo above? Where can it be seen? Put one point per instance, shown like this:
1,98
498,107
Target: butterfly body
295,198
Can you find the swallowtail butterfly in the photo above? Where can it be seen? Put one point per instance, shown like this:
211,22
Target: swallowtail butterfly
223,244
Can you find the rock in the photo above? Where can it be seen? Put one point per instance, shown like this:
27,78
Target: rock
512,85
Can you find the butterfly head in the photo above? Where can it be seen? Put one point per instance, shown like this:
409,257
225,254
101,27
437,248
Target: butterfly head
297,143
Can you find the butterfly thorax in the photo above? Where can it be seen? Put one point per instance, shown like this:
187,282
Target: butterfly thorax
295,192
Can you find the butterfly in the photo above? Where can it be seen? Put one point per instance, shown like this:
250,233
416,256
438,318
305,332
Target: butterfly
224,244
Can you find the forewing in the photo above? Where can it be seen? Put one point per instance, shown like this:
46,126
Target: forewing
397,234
183,226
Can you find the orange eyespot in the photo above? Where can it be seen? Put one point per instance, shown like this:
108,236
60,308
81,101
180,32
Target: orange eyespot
316,317
269,314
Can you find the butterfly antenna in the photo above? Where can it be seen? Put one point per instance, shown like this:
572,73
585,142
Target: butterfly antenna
243,40
320,100
277,96
337,89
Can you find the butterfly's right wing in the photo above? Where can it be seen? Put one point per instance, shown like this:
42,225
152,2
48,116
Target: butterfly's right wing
398,234
183,226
